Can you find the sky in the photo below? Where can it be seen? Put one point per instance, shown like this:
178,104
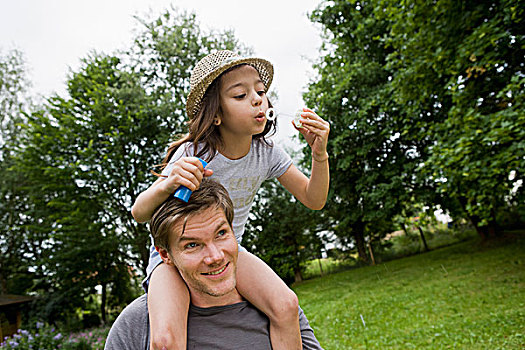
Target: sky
55,34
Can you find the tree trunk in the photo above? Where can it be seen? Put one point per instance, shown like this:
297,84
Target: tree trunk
423,238
358,229
485,232
3,284
403,226
298,275
371,254
320,267
103,304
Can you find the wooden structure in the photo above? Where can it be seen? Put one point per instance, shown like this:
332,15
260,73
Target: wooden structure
10,314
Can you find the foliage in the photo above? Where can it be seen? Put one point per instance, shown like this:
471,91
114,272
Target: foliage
16,248
426,105
434,300
47,337
283,232
411,244
79,192
44,337
92,339
371,166
320,267
462,62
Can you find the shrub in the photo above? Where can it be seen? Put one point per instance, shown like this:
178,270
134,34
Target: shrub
47,337
44,337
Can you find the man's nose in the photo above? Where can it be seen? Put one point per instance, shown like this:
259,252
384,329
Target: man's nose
213,254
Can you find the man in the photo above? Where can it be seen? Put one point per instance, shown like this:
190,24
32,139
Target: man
197,238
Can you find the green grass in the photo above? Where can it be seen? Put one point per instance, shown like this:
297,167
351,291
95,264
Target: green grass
467,296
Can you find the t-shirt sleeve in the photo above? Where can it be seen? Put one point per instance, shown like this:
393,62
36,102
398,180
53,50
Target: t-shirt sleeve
307,333
280,161
130,331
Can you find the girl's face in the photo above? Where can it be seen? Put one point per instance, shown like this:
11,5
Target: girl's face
243,103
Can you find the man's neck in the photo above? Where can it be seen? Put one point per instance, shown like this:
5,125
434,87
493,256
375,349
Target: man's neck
205,300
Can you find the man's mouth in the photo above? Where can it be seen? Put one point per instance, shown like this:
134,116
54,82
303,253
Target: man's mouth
217,272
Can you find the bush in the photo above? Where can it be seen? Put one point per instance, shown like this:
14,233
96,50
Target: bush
407,245
330,265
90,320
95,339
46,337
81,344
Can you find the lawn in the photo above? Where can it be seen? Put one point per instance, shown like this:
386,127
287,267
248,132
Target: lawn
467,296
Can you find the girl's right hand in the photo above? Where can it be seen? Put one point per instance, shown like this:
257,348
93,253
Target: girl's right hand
186,171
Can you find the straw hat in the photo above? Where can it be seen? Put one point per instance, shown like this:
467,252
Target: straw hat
213,65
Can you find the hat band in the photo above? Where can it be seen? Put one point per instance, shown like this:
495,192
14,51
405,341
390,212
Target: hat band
230,59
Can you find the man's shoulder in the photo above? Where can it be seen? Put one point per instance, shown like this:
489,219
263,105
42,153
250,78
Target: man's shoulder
130,329
136,311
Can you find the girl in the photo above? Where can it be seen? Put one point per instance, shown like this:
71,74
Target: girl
227,127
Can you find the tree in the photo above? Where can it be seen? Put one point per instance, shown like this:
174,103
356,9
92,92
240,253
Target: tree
371,163
14,241
461,63
426,105
78,160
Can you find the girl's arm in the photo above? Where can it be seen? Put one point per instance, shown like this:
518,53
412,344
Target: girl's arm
186,171
262,287
312,192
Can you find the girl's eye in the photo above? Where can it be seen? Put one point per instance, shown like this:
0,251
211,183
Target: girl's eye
239,96
261,93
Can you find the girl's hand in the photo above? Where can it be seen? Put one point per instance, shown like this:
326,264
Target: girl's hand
186,171
315,131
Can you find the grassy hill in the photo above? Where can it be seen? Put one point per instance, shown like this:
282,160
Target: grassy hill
467,296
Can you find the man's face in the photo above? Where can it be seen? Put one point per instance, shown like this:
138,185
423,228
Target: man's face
205,253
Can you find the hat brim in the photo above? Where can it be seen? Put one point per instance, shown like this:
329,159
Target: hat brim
264,67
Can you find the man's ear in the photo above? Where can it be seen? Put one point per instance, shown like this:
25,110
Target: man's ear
164,256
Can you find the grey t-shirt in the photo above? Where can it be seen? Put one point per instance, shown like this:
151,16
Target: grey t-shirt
241,177
236,326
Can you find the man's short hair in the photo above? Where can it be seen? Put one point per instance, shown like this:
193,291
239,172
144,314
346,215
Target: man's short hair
209,194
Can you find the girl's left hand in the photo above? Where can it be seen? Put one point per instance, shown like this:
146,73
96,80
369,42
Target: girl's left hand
315,131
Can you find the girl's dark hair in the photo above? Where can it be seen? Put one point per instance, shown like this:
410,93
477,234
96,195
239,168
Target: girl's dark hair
202,129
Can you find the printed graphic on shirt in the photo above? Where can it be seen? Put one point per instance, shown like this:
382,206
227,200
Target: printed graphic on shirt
243,189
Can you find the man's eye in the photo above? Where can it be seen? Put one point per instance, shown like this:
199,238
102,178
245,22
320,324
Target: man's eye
221,233
190,245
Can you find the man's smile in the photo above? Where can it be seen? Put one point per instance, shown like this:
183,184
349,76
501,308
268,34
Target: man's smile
216,272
